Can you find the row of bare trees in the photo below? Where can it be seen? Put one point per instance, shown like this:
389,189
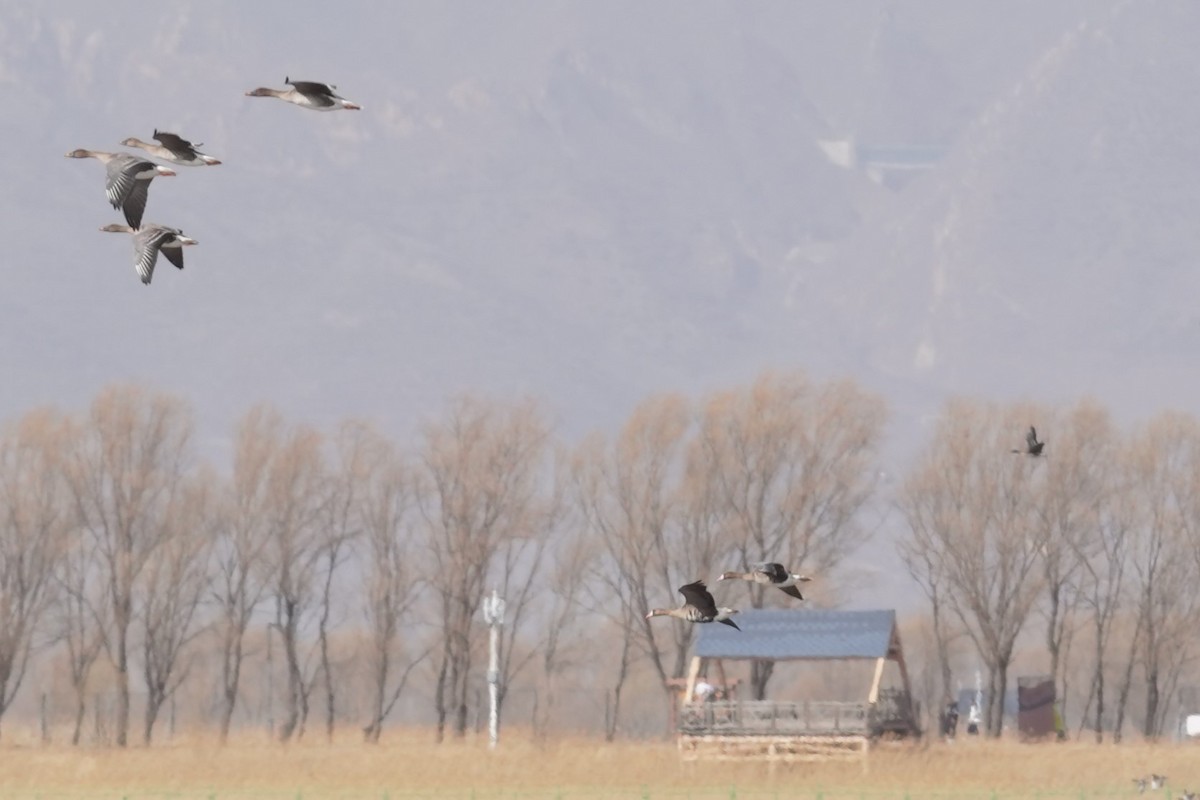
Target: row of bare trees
120,548
1097,541
126,560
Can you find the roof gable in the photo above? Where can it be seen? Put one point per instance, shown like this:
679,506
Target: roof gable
779,634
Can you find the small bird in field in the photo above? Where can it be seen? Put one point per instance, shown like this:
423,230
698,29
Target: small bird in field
1032,446
771,574
698,606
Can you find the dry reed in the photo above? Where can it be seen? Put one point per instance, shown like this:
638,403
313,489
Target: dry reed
408,764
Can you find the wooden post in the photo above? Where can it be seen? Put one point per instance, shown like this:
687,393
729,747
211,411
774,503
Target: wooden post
873,697
724,680
693,674
897,655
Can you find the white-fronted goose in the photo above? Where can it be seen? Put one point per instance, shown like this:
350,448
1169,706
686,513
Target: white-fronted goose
308,94
173,148
771,574
698,606
1032,446
128,181
149,241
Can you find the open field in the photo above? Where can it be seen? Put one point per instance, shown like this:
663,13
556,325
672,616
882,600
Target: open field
408,765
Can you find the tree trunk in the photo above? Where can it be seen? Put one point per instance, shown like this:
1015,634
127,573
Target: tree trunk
1001,685
1123,698
231,673
439,700
1149,728
122,666
760,674
610,724
80,713
153,704
295,679
1098,680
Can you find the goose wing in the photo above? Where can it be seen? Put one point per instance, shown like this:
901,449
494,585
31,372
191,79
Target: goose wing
176,144
122,172
319,93
697,595
1031,437
146,244
792,590
173,252
776,572
134,204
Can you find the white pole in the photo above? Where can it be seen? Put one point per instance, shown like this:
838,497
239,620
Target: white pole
493,614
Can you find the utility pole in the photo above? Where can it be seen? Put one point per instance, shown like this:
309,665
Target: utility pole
493,615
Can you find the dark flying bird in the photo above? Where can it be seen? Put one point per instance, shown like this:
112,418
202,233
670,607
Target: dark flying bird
128,182
698,606
308,94
173,148
771,574
1032,446
151,240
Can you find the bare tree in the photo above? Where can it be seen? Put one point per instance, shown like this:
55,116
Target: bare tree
129,463
1070,503
1163,458
627,493
241,574
971,526
295,510
1102,554
794,465
392,585
174,582
517,572
571,564
80,618
34,523
923,561
481,490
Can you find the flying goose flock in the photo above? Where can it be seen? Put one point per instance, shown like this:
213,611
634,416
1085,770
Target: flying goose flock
127,178
699,606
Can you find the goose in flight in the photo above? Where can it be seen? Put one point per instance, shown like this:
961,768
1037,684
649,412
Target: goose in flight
1032,446
308,94
771,574
173,148
128,182
149,241
698,606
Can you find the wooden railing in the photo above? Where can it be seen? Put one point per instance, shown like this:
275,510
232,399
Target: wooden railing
813,717
764,717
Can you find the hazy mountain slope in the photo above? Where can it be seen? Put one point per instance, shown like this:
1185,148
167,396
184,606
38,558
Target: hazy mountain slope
1052,253
590,202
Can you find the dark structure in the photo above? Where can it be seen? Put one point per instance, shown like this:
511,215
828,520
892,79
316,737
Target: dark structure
800,729
1036,717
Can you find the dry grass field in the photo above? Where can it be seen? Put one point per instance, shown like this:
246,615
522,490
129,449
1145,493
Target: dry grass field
408,765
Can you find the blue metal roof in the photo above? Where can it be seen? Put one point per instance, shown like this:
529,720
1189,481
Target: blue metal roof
782,634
